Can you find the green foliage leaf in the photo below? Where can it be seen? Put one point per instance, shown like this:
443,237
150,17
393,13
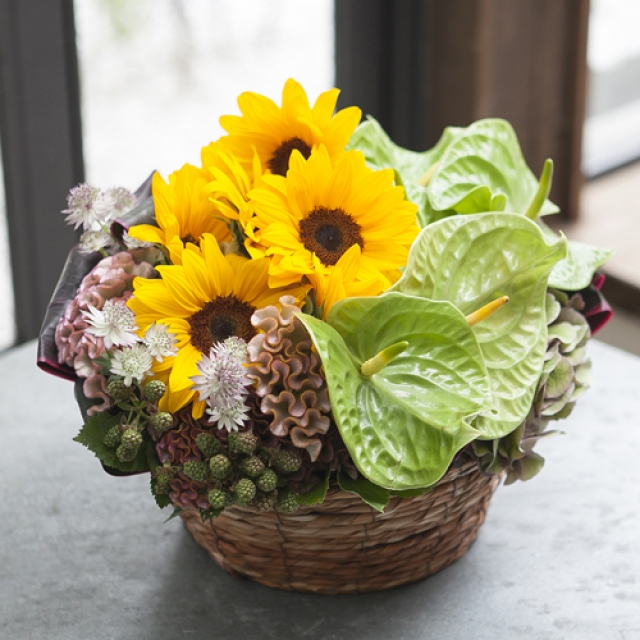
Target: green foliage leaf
410,167
576,271
176,512
483,169
471,260
470,170
403,424
317,494
372,494
92,436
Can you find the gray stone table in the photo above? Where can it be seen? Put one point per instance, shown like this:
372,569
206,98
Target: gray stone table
85,556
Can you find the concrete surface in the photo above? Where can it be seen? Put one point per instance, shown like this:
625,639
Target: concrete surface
84,556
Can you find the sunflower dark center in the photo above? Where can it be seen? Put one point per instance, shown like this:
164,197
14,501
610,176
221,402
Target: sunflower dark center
279,161
329,233
191,239
220,319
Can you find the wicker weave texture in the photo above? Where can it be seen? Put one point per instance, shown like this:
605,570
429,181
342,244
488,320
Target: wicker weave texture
344,546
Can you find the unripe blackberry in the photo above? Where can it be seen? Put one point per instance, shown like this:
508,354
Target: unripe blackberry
287,461
217,498
252,467
131,439
113,437
208,444
245,491
154,390
288,502
118,390
161,421
264,501
196,470
126,455
220,466
162,479
245,442
267,481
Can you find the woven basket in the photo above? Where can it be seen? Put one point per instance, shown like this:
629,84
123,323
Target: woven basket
343,545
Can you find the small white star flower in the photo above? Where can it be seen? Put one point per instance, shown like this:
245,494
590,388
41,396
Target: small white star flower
112,203
160,341
134,243
115,323
233,346
222,382
91,241
84,209
132,363
229,418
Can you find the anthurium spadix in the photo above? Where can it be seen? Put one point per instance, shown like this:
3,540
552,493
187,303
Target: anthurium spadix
471,260
406,416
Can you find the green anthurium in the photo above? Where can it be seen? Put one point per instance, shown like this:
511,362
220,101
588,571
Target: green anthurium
412,168
471,260
483,169
576,271
403,423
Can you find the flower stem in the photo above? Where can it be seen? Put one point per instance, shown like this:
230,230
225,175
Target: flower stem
487,310
382,359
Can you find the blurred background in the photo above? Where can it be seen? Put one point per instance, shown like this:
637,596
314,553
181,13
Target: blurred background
109,90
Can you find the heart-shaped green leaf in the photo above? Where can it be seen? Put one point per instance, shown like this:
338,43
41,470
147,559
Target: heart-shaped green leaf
411,167
471,260
403,424
576,271
483,169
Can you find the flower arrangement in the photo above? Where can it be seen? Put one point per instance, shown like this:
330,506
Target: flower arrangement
315,307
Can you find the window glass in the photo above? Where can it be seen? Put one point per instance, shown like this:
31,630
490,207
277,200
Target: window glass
7,317
612,128
157,74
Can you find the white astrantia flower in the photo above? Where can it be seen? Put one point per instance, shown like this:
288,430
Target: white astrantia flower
134,243
233,346
160,341
91,241
84,208
132,363
222,381
114,202
229,418
115,323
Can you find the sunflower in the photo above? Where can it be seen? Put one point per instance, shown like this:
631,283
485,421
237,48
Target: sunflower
203,301
184,212
230,182
343,226
275,132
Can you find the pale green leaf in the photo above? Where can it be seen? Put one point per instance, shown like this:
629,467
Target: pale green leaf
471,260
483,169
576,271
410,167
404,424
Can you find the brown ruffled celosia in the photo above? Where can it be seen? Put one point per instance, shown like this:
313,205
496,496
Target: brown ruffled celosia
288,376
110,279
176,447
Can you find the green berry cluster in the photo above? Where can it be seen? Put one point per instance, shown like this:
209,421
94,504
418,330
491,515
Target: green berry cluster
138,405
238,471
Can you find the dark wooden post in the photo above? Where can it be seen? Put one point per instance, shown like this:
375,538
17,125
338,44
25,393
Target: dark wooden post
41,146
420,65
